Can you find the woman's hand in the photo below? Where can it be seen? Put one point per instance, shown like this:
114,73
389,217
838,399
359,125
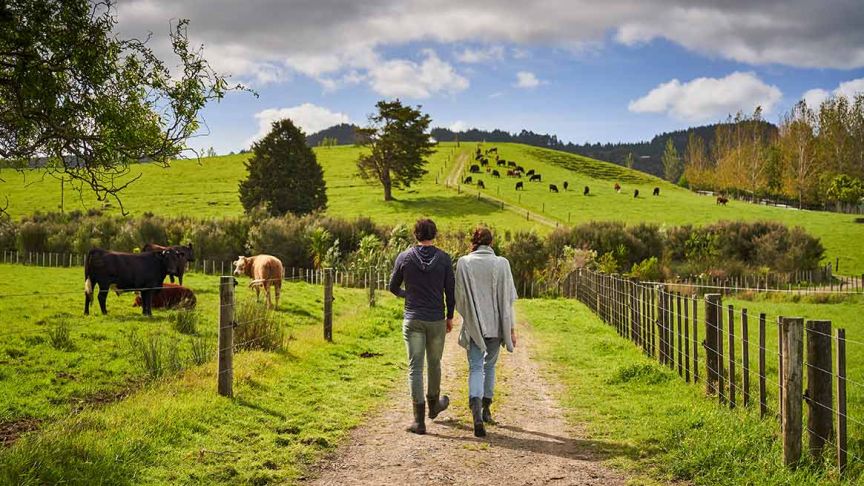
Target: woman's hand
513,337
449,325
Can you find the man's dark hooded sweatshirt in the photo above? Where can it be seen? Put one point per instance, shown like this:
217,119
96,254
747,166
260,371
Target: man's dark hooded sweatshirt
428,276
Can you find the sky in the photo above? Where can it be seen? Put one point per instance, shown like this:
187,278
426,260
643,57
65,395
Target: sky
585,70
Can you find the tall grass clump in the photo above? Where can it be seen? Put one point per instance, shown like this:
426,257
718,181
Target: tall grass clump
185,321
59,336
257,328
200,351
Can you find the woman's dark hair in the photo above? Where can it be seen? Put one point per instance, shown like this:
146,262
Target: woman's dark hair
425,229
482,236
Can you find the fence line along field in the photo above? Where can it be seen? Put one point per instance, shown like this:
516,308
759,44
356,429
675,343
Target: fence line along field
209,189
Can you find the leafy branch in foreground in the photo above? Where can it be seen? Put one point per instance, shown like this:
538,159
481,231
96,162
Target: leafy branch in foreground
80,101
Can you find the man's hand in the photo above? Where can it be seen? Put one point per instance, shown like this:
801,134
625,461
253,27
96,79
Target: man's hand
449,324
513,337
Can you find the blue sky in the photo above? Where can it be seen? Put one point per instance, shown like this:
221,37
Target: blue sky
619,71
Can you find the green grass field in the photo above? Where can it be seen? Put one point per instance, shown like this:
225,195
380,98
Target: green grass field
652,420
102,421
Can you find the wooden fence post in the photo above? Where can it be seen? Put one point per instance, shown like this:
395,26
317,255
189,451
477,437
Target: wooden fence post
328,304
695,340
712,379
763,389
226,336
731,356
721,374
371,294
745,357
791,420
841,400
820,380
680,334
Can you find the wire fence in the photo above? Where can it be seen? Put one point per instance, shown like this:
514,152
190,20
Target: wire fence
708,343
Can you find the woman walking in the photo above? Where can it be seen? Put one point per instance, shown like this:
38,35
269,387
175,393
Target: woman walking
484,298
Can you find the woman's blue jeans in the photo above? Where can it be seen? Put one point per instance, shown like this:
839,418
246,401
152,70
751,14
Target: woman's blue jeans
481,368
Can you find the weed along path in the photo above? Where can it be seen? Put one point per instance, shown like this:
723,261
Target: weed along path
532,443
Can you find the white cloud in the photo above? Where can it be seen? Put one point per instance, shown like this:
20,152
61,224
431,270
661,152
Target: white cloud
527,80
474,56
815,97
309,117
404,78
458,126
705,98
323,37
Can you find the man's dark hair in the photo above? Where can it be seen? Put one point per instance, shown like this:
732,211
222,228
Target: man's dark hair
481,236
425,229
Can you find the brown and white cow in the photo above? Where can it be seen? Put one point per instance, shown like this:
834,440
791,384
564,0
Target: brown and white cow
265,271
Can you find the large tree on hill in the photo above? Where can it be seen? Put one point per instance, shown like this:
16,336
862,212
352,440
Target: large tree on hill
399,142
88,102
284,175
673,166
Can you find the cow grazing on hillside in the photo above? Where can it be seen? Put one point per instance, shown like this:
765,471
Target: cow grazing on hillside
265,271
467,180
519,185
474,169
495,173
553,188
511,163
617,187
484,162
481,185
169,297
586,191
520,168
536,178
721,201
656,191
530,172
184,250
128,271
502,163
492,150
566,185
636,193
513,173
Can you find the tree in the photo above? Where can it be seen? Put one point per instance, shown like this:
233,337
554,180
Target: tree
673,167
628,160
399,143
87,102
798,148
283,175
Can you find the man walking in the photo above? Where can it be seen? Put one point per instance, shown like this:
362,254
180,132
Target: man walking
427,273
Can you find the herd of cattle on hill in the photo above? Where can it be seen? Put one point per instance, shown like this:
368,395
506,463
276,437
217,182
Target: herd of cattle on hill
515,170
145,272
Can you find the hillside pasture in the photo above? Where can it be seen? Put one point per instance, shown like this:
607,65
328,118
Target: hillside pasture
840,234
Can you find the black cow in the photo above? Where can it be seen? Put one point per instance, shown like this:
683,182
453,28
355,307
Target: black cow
553,188
520,168
480,185
467,180
495,173
186,251
512,164
586,191
127,271
530,172
656,191
536,178
484,162
566,185
493,149
636,193
721,201
519,185
501,163
478,154
474,169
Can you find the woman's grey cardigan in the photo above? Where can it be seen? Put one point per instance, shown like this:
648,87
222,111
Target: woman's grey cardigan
476,302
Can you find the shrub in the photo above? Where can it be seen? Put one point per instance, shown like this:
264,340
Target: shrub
32,236
647,270
257,327
285,238
527,255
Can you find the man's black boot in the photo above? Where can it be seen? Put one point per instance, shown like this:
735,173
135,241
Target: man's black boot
487,414
419,425
477,414
437,405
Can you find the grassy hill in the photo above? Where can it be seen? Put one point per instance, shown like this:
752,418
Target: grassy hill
209,189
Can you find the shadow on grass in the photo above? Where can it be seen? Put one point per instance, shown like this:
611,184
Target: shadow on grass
463,206
542,443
